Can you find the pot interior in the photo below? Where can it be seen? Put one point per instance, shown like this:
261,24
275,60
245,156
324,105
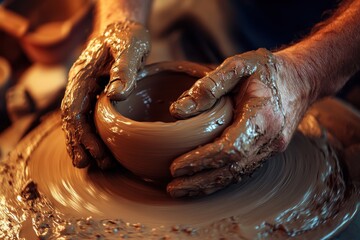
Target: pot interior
153,95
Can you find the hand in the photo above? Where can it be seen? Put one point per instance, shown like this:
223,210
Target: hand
119,52
269,99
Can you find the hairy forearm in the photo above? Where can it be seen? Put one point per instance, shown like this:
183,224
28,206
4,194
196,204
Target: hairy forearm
326,59
110,11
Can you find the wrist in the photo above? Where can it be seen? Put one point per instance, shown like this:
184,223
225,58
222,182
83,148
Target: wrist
297,77
330,55
297,89
108,12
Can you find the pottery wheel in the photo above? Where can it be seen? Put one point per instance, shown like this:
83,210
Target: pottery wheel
299,193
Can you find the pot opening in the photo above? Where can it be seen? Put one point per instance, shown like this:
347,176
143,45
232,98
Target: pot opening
153,95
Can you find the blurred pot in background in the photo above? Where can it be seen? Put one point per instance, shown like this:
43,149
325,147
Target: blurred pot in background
48,31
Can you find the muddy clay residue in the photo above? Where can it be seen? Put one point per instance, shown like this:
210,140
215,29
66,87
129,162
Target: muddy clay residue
43,195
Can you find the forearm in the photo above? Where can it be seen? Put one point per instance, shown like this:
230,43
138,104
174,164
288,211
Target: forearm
110,11
326,59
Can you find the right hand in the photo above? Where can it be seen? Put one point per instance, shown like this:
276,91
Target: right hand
119,52
269,101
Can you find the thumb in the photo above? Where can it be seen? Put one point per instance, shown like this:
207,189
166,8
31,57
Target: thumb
197,99
122,77
207,90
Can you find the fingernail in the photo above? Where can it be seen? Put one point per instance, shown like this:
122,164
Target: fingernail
179,193
184,106
115,90
114,86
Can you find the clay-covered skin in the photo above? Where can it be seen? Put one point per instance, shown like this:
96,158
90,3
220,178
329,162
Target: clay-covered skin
140,131
119,52
269,103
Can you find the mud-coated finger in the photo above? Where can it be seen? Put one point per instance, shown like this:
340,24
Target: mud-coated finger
210,156
89,141
204,93
83,155
128,59
228,148
238,143
203,183
78,102
74,122
122,77
80,157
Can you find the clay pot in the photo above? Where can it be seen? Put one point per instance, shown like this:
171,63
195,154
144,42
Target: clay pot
141,133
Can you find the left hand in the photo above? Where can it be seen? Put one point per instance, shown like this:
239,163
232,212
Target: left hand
119,53
270,100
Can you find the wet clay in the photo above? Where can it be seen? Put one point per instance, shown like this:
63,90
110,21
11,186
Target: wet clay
140,131
276,202
120,51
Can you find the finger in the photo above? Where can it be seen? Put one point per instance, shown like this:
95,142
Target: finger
78,103
203,183
239,142
74,114
209,156
98,151
231,146
83,154
80,156
124,70
74,130
122,77
94,146
204,93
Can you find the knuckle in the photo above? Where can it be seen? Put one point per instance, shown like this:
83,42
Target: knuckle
205,86
235,66
231,63
238,61
233,59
